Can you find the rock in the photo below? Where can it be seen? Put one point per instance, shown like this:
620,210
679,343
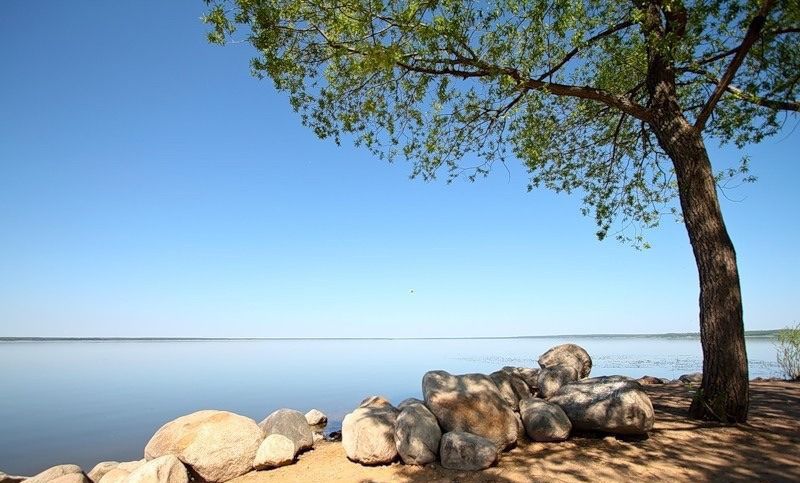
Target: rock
409,401
647,380
53,473
511,387
131,465
552,378
470,403
608,404
101,469
292,424
316,417
417,434
164,469
568,355
529,376
368,432
217,445
115,475
276,450
4,478
334,436
693,378
317,436
467,452
375,401
71,478
544,421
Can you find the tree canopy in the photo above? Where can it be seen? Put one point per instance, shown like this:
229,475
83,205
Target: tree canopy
455,86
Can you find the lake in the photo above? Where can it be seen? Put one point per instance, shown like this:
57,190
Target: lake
83,402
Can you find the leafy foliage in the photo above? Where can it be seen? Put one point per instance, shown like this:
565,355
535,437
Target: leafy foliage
456,86
789,351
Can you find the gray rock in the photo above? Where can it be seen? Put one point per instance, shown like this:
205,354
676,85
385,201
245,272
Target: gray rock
53,473
693,378
568,355
292,424
467,452
368,432
164,469
409,401
4,478
608,404
315,417
544,421
100,469
552,378
71,478
470,403
276,450
511,387
529,375
217,445
417,434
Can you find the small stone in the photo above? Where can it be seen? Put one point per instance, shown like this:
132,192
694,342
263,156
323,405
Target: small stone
292,424
544,421
164,469
316,417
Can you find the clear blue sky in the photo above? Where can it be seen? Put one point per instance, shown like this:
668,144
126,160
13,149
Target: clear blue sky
150,187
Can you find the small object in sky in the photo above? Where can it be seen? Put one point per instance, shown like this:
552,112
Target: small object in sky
411,291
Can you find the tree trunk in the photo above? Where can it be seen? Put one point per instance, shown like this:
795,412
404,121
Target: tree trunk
724,394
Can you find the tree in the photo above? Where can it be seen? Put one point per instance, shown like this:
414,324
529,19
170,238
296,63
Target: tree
614,100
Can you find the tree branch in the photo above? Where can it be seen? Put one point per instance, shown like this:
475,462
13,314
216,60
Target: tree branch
586,43
753,32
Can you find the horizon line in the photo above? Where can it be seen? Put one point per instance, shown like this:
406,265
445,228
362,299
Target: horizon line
751,333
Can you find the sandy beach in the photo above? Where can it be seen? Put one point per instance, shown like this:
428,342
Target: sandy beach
678,449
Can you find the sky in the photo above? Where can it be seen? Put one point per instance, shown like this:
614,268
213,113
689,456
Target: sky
149,186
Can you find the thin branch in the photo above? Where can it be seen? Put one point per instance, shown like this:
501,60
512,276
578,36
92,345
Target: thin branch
753,32
586,43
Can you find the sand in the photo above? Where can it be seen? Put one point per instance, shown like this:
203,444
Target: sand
767,448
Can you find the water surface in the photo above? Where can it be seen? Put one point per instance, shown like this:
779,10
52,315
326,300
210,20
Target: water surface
84,402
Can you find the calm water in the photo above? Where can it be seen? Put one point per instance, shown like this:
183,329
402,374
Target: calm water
84,402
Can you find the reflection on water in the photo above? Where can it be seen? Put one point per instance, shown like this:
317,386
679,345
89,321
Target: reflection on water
84,402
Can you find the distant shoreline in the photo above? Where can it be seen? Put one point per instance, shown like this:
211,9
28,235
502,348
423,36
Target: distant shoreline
752,334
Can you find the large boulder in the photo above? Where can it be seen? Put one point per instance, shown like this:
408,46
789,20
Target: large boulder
71,478
54,472
217,445
276,450
544,421
609,404
552,378
368,432
511,387
292,424
467,452
164,469
529,375
100,469
470,403
417,434
568,355
115,475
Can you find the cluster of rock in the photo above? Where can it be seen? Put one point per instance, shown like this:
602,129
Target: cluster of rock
211,446
465,421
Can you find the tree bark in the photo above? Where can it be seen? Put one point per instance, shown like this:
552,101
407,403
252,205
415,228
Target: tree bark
724,394
725,391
